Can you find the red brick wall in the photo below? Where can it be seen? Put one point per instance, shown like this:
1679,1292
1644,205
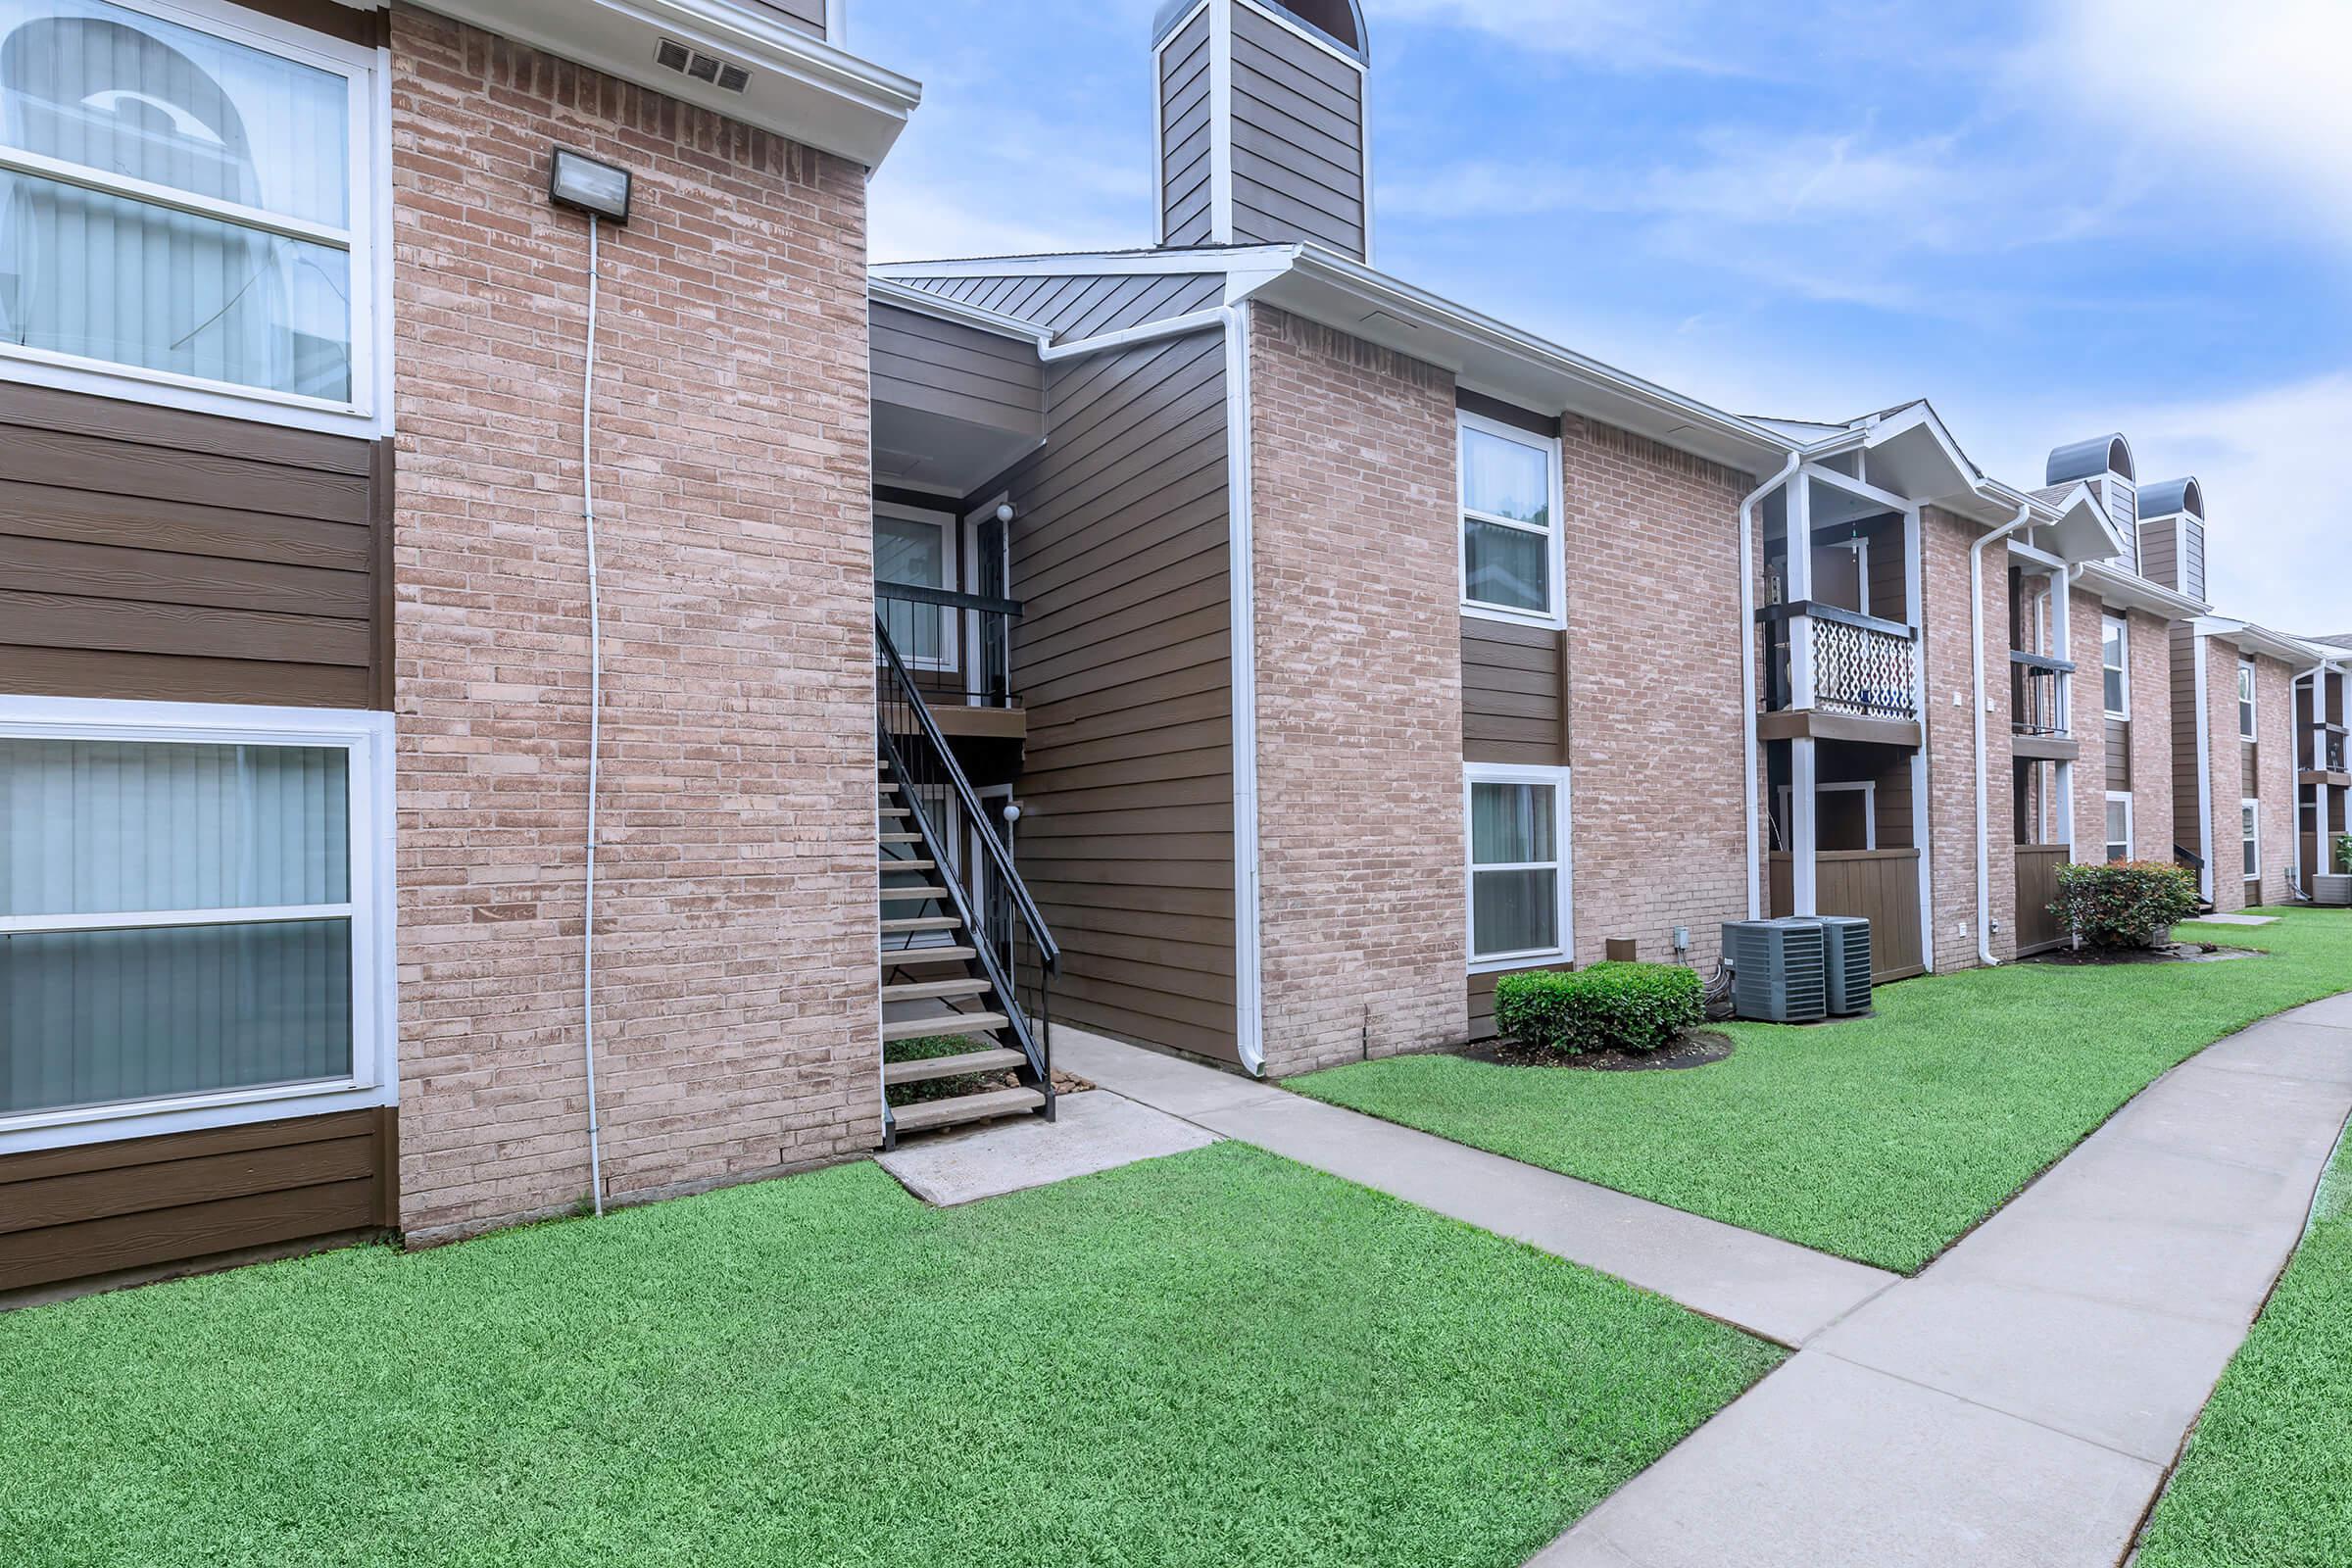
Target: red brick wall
1359,704
737,998
1653,640
2149,646
1945,548
2088,613
2225,763
2275,721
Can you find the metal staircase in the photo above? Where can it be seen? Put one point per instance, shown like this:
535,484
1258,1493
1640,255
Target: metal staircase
967,963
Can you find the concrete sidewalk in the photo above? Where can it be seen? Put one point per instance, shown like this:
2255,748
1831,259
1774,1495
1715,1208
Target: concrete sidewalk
1768,1287
2019,1401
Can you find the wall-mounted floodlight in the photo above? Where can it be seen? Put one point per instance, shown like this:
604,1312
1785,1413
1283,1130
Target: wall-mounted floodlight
579,180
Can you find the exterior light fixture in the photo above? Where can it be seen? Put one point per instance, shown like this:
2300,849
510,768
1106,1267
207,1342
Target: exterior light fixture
579,180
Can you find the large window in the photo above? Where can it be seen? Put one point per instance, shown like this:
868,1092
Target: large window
917,550
1510,522
2249,832
188,913
1518,831
2115,664
2246,701
187,197
2119,826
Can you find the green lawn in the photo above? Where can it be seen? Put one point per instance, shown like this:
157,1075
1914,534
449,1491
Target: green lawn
2266,1482
1216,1357
1882,1139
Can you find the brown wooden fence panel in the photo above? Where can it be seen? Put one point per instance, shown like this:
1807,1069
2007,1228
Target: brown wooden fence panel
2038,929
1881,886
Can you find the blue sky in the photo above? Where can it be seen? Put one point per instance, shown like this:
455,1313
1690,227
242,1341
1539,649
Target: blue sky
2054,217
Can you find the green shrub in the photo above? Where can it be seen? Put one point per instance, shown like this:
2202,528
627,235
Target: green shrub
2343,853
2127,904
1610,1006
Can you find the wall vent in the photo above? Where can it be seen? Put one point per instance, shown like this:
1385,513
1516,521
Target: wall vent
724,74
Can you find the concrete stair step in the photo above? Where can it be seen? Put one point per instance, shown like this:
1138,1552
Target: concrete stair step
924,894
942,1025
910,866
935,989
902,838
968,1109
913,924
923,1072
908,958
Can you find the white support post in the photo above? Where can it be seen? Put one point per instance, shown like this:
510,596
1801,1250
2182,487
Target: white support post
1800,591
1804,810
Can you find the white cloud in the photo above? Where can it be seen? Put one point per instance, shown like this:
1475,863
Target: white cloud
2215,90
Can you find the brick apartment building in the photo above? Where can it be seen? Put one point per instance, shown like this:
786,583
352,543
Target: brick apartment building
1220,645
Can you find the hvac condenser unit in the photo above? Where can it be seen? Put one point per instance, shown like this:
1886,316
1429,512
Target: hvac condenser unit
1845,954
1779,969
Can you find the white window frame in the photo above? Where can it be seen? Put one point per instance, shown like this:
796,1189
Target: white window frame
2131,828
2249,836
950,570
367,738
1555,572
1557,780
369,411
2122,625
2249,701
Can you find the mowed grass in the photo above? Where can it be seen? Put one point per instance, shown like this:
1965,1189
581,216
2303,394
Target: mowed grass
1881,1139
1217,1357
2266,1482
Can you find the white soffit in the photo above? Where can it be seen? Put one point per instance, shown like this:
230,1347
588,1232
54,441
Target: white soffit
802,87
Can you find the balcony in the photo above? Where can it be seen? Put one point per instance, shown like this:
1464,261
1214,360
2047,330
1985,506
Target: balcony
958,648
1836,675
2042,707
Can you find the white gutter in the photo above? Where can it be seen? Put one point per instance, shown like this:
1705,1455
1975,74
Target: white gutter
1748,677
1128,338
1976,621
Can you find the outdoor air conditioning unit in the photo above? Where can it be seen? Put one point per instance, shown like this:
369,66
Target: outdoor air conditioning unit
1778,970
1845,944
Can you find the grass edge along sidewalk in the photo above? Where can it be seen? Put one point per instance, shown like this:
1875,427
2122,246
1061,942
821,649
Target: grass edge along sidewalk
1881,1139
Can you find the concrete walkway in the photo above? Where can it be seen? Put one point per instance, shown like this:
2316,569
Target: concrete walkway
2019,1401
1768,1287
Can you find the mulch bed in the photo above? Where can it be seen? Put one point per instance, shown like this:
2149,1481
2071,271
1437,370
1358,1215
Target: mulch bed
1700,1050
2172,952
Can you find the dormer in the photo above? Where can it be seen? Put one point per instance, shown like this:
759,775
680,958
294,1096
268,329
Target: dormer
2104,464
1261,131
2172,536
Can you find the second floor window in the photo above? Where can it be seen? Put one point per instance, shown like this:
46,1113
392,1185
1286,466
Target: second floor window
1510,530
2114,644
184,197
2245,701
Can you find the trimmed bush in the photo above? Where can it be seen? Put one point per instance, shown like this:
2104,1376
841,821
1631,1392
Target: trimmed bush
2343,853
1610,1006
2127,904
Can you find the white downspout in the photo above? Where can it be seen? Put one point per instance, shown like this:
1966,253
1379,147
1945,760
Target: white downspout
1248,994
1975,623
1747,676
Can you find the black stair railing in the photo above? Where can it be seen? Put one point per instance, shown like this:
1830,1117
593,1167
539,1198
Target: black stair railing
1013,948
958,647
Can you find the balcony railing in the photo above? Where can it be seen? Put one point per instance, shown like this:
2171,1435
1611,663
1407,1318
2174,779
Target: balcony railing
2039,695
1856,663
957,646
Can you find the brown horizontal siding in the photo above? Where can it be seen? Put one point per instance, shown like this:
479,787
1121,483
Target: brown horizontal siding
1513,680
962,372
152,554
1185,136
101,1208
2186,759
2119,754
1123,659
